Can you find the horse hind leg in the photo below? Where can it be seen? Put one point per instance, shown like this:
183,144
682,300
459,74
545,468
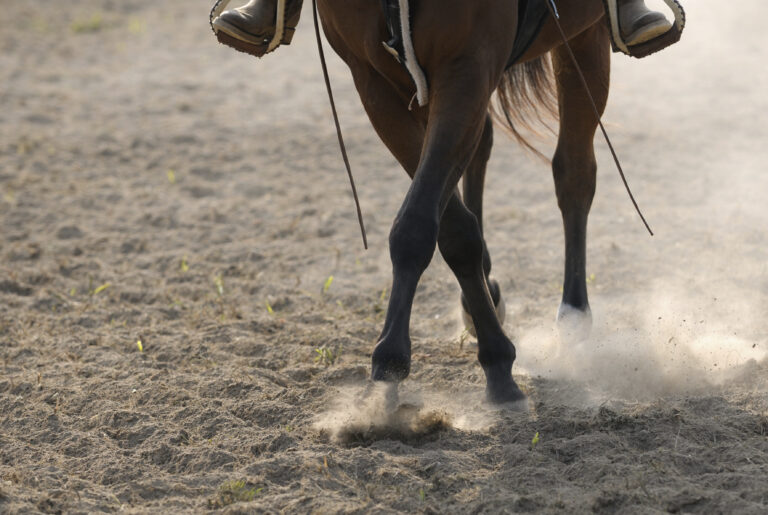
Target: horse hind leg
463,248
473,188
574,167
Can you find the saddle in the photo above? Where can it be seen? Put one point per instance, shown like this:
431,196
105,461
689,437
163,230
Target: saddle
397,13
531,16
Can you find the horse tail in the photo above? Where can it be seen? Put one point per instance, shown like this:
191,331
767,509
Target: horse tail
526,97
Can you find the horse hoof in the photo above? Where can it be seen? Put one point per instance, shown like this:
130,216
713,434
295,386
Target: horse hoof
498,301
389,365
574,324
507,395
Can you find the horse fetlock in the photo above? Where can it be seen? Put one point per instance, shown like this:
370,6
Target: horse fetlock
391,362
498,303
499,354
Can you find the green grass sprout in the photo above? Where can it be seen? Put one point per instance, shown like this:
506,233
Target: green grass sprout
101,289
328,283
219,285
140,346
137,26
327,356
93,24
535,441
232,492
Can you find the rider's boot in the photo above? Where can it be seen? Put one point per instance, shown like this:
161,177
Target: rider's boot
639,24
251,28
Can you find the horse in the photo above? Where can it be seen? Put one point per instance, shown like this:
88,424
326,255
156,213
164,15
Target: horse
464,50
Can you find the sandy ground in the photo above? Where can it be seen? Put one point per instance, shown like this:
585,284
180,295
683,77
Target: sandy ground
156,187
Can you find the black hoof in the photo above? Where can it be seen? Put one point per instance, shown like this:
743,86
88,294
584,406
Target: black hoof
390,365
508,394
500,388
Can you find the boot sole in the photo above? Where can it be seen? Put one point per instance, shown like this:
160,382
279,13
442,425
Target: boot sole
242,41
648,33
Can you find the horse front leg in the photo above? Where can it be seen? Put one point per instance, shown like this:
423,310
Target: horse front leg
413,238
459,235
454,127
574,166
432,209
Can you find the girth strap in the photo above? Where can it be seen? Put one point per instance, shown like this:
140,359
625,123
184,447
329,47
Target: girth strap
398,17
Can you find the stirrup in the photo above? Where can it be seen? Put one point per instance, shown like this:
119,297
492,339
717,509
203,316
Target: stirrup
282,34
658,43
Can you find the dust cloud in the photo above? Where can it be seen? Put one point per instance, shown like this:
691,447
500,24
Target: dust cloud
672,346
683,312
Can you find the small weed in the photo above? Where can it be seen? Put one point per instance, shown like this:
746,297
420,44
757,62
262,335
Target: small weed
231,492
9,196
269,308
171,176
93,24
140,346
40,25
378,307
535,441
183,265
422,495
219,285
137,26
327,356
99,289
591,279
328,283
463,338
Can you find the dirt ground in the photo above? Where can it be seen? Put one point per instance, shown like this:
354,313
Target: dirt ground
187,314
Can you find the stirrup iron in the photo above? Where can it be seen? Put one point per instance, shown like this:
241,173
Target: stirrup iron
282,34
656,44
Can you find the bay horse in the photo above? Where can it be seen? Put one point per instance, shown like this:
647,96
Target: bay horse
463,48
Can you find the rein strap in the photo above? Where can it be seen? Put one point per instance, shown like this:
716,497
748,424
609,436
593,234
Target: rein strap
338,126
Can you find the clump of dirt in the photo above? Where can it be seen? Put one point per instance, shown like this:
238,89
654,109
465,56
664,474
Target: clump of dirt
376,413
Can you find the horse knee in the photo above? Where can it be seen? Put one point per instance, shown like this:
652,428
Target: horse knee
412,241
